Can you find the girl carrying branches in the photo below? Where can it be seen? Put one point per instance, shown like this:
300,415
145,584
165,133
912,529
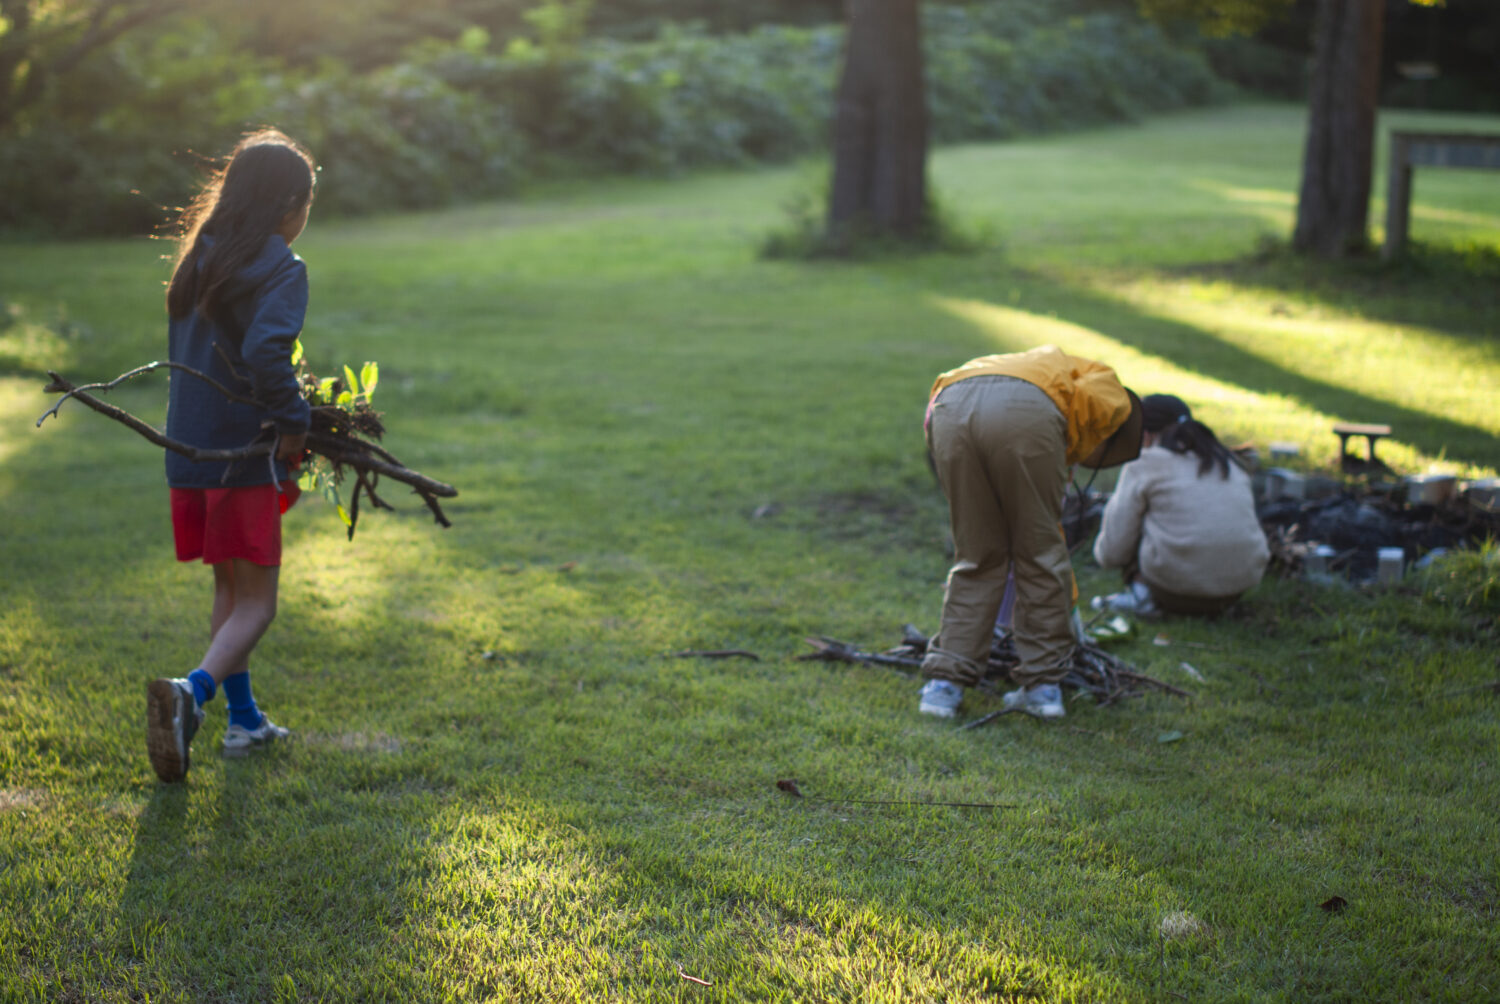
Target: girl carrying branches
236,303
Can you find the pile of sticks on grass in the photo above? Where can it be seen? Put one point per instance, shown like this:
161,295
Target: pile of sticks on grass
1092,669
334,434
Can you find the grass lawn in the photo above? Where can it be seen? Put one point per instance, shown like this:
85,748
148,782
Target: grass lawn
503,787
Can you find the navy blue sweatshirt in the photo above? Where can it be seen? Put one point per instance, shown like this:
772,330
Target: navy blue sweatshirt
266,303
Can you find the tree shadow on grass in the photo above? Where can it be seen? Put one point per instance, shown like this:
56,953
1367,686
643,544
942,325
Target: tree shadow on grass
1452,288
1203,352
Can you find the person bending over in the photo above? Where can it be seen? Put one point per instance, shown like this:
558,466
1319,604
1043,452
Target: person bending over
1181,522
1001,433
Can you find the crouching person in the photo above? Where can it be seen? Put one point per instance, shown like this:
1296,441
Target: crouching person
1002,431
1181,523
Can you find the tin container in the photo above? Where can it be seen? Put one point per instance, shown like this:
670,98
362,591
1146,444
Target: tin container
1282,452
1431,489
1315,563
1392,563
1284,484
1484,493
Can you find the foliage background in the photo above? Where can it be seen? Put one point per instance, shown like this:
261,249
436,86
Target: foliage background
469,115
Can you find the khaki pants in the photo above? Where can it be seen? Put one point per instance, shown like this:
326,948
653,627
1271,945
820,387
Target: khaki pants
999,446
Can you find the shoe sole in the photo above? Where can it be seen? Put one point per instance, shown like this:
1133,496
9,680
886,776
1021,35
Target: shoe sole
936,709
169,756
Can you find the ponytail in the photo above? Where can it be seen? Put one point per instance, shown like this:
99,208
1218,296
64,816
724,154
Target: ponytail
1188,435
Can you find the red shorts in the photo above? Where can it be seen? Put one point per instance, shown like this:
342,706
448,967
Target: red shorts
217,524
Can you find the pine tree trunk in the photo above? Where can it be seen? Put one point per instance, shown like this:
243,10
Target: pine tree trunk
1334,205
880,129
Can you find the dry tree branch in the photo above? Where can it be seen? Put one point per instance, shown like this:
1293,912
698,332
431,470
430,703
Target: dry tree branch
368,461
58,385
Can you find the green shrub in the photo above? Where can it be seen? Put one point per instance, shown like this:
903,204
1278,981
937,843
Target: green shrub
454,120
1469,579
401,138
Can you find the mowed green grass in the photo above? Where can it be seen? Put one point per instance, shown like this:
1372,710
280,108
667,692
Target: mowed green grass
504,787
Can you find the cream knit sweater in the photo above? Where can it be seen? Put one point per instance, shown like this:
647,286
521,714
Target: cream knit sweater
1194,536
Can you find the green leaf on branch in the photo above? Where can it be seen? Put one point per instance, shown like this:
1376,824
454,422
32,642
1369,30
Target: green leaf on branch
369,376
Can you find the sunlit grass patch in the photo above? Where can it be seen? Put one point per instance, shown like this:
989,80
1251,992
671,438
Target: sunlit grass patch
1391,367
506,783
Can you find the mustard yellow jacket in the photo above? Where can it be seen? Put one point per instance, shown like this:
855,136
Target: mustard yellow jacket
1088,394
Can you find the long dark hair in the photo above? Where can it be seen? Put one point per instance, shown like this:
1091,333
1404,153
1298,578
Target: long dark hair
268,176
1171,420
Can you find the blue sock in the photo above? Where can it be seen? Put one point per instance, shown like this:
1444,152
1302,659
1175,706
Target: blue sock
204,686
242,709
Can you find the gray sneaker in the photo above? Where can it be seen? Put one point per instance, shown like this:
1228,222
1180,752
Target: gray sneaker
172,719
1044,700
941,698
239,741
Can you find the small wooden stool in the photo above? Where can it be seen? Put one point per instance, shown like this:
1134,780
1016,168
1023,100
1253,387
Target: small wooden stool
1372,434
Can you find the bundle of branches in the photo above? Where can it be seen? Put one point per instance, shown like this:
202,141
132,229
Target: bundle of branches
1091,669
340,436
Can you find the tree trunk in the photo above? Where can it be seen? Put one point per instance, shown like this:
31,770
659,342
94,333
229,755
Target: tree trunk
1334,206
880,129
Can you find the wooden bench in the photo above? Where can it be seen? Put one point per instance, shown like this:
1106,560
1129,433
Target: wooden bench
1476,151
1372,434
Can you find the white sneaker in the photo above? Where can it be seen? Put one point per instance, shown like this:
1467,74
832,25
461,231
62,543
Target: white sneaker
239,741
1135,600
941,698
1044,700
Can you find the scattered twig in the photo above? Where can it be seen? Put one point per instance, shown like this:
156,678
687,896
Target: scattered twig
717,653
1090,669
1127,674
829,650
693,979
986,719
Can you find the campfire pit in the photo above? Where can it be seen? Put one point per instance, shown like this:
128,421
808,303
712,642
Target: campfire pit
1359,521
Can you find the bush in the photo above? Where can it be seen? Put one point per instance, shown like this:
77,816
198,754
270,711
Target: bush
1468,579
401,138
455,120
